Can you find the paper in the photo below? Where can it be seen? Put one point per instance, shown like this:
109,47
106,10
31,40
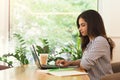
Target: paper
55,70
43,71
67,73
63,72
61,69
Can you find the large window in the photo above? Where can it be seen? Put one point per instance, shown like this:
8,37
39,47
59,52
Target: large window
54,20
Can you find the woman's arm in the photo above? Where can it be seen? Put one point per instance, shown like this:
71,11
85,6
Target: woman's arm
74,63
68,63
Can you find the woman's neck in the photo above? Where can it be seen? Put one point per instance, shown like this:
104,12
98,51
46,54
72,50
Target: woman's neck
91,38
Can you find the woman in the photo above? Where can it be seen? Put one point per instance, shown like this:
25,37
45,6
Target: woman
96,46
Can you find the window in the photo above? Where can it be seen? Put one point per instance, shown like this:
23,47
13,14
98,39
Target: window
51,19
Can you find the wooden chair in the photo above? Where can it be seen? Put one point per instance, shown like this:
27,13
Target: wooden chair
115,75
116,67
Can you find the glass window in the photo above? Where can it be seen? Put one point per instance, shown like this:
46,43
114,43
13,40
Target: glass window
51,19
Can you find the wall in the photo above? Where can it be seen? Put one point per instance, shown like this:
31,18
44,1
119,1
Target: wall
3,25
109,9
116,57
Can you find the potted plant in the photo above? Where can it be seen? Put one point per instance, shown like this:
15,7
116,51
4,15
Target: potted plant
44,49
19,54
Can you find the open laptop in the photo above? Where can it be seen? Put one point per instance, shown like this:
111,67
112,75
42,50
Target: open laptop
37,60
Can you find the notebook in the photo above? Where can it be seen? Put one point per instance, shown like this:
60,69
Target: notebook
37,61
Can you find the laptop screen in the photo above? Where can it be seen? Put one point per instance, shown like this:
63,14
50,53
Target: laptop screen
35,56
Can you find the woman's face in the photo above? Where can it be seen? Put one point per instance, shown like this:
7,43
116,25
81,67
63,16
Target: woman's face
83,27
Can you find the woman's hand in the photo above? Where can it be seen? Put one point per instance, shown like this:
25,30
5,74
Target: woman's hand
63,63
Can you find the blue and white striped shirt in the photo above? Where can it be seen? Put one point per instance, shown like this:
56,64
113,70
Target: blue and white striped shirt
96,58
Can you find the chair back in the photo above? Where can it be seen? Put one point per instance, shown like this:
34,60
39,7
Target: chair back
116,67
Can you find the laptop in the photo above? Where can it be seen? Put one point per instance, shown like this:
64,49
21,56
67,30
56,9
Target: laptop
37,60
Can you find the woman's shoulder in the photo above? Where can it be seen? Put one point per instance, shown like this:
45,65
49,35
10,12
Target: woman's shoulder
100,39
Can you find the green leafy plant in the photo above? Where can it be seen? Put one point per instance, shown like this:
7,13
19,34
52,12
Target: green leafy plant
44,48
73,49
20,50
19,54
4,59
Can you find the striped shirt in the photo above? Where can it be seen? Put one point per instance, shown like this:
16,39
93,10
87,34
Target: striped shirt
96,58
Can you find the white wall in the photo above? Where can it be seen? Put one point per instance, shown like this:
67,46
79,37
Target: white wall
3,26
109,9
111,15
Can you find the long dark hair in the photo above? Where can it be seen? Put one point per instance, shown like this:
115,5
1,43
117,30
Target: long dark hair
95,28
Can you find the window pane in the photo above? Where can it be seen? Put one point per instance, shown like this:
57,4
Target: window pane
51,19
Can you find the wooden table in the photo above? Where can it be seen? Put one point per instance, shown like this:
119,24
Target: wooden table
30,73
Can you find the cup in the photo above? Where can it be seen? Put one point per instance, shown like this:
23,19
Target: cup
43,59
